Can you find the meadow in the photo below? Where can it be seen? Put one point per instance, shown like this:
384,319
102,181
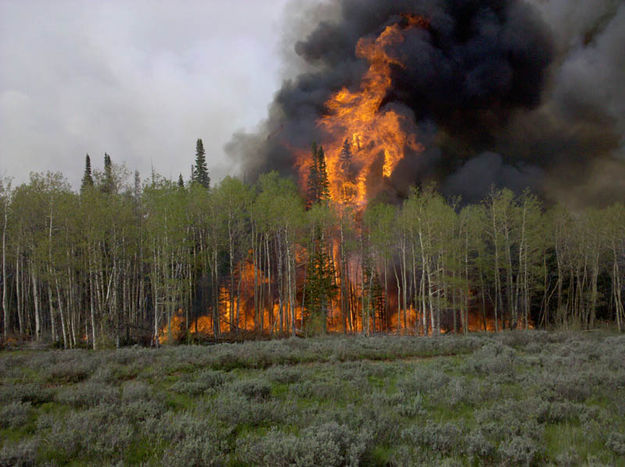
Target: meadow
518,398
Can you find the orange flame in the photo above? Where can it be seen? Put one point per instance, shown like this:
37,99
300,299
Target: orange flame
358,130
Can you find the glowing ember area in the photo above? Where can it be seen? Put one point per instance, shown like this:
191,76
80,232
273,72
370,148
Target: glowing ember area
177,329
201,327
237,313
359,132
409,323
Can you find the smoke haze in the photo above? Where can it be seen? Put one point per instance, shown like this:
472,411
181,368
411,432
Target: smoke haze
507,93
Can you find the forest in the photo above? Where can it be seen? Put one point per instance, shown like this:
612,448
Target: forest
125,260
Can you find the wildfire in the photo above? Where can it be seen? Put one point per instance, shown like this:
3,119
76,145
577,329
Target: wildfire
237,313
358,130
364,140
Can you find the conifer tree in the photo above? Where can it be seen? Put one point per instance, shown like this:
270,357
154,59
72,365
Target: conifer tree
108,183
324,184
200,171
180,181
87,178
320,285
345,160
348,175
312,190
318,188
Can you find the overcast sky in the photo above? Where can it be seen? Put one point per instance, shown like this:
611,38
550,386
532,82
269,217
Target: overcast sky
139,79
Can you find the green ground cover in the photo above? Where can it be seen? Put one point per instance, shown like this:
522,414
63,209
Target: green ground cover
511,398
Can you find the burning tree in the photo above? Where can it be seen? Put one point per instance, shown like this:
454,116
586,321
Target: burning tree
317,182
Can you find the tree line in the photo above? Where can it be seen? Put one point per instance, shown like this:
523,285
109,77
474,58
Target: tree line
124,260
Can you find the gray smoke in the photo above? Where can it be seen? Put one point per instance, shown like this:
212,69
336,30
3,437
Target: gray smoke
515,93
477,176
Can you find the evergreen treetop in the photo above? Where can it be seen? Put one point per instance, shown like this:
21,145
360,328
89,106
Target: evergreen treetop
108,183
200,170
87,178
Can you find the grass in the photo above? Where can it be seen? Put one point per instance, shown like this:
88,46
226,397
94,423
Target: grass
528,398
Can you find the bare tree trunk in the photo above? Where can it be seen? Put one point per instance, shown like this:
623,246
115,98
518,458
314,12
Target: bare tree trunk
61,313
269,294
18,290
36,302
290,283
424,318
51,307
92,308
215,274
231,266
616,288
5,307
398,282
404,281
465,314
155,298
498,297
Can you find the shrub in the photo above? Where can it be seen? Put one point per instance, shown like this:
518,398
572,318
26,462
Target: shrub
461,390
569,457
136,391
411,407
512,418
329,444
30,392
211,378
572,387
15,414
520,338
477,446
616,443
233,409
254,389
72,370
193,450
520,450
88,394
283,374
138,411
382,423
323,390
204,381
190,439
113,372
22,453
98,433
493,359
559,412
424,380
443,438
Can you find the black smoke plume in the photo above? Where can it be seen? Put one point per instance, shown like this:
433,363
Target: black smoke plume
515,93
